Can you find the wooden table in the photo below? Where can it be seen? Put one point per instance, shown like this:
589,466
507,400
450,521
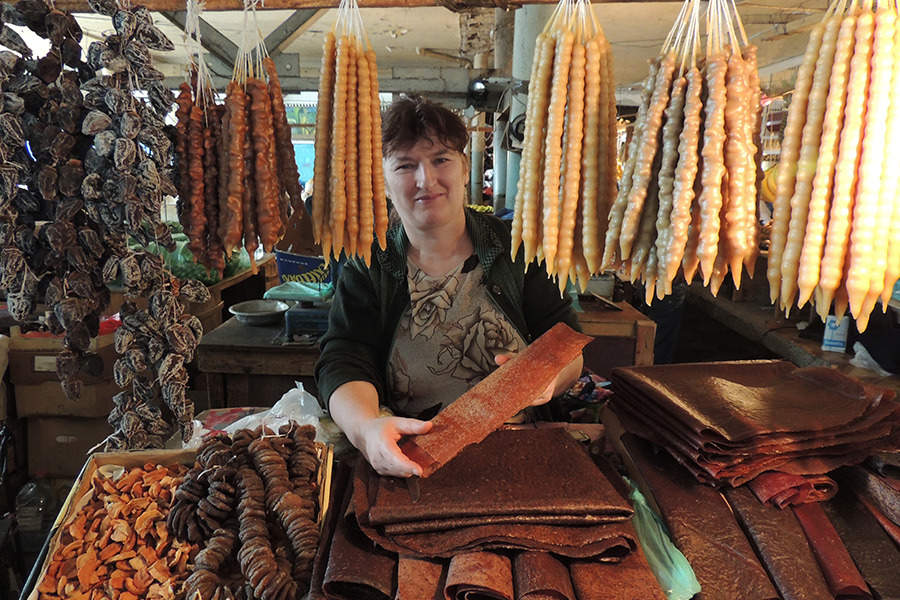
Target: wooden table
781,335
249,366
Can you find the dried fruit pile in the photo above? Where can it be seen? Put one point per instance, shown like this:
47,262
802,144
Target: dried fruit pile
118,544
86,162
836,218
238,175
349,206
569,155
253,500
688,200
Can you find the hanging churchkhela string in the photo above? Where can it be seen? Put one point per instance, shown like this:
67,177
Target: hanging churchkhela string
349,205
569,154
685,200
837,178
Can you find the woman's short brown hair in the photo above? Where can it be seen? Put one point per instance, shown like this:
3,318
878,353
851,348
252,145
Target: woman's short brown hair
411,118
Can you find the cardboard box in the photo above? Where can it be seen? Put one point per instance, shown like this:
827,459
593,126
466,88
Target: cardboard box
31,367
59,445
51,343
302,269
47,399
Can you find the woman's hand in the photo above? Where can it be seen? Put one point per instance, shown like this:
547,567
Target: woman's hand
377,440
354,407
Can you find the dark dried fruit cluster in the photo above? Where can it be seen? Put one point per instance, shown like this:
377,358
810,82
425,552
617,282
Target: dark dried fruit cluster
85,161
254,500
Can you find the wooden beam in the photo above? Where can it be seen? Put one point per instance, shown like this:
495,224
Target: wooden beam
81,6
293,27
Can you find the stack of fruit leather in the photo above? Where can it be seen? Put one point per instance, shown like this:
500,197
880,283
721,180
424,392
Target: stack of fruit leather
525,508
727,422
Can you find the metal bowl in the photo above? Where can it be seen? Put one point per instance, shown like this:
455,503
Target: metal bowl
259,312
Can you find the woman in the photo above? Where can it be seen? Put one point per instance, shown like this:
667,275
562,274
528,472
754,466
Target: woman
440,308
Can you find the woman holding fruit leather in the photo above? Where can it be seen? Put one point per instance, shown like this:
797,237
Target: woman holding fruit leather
442,306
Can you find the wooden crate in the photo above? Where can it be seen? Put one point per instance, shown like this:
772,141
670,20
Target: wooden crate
623,335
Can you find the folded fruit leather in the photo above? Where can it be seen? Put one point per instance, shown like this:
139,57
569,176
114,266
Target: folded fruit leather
781,545
727,422
841,573
541,576
702,526
495,399
873,551
513,473
479,576
631,579
780,489
526,489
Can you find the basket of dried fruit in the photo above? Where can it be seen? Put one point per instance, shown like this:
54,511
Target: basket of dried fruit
111,533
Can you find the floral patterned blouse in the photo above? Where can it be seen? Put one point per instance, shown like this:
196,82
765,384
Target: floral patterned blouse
447,339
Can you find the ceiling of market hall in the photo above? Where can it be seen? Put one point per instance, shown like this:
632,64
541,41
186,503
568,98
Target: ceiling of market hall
435,39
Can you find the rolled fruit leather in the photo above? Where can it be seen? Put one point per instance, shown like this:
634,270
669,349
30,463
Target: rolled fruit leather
873,551
843,577
780,489
540,575
479,575
630,579
498,397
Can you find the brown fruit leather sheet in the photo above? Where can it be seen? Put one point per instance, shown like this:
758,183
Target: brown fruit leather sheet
843,577
496,496
781,544
873,551
780,489
479,576
728,422
541,576
497,398
421,578
631,579
702,526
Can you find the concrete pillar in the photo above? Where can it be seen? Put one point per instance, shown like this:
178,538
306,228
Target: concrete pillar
476,144
504,26
530,21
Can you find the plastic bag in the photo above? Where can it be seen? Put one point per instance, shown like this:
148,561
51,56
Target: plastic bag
671,568
298,406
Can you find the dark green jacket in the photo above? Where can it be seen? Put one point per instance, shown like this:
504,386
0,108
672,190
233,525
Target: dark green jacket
369,302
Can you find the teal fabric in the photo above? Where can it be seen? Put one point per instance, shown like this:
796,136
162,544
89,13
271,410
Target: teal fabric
672,570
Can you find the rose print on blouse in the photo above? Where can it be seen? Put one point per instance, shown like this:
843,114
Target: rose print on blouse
430,299
470,347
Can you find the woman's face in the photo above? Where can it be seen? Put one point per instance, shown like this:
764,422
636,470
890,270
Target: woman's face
427,184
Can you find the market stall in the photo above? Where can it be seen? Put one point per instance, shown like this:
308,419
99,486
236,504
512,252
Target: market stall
282,507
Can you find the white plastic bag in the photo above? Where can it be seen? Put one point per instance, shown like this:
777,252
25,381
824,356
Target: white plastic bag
295,405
